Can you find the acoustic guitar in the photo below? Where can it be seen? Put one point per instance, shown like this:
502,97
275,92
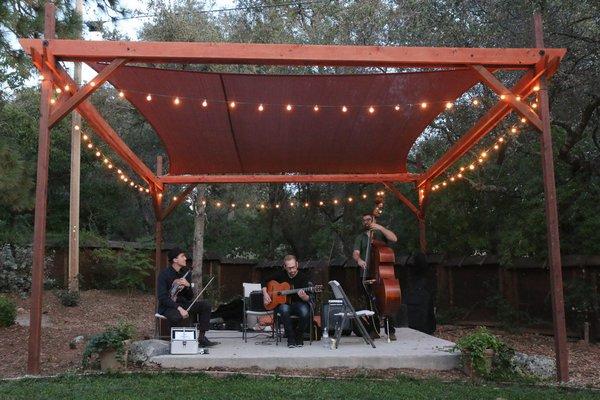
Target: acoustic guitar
279,292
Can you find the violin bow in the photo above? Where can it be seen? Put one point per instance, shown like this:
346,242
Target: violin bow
200,294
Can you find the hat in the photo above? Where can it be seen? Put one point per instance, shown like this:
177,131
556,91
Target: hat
174,253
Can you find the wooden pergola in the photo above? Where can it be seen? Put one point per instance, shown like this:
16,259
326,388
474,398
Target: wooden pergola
446,73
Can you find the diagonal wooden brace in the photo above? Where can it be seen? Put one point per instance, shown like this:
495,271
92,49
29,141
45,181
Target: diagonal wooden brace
105,131
521,108
481,128
83,93
402,198
180,198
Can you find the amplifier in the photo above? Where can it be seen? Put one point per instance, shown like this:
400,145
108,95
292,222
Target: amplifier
330,320
184,340
256,301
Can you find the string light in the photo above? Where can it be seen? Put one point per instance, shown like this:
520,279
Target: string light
536,88
316,108
449,105
176,101
475,102
481,159
58,90
52,101
66,88
523,120
371,110
121,94
344,109
260,107
502,96
204,103
288,107
232,104
149,98
397,107
423,105
92,83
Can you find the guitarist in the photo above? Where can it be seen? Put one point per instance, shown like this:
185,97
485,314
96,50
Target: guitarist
297,304
361,243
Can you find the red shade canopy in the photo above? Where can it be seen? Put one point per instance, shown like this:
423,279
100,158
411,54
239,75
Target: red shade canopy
219,139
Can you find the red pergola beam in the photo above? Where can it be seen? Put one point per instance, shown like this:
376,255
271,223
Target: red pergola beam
523,88
83,93
402,198
104,130
291,54
494,83
363,178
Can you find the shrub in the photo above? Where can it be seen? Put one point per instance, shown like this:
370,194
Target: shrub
68,298
473,348
15,269
8,312
111,339
129,267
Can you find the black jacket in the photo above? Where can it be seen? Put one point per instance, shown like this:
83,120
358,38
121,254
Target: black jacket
165,281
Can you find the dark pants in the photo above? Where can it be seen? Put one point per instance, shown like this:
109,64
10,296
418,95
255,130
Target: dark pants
298,309
200,310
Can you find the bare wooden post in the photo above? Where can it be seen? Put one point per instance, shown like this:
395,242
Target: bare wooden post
556,283
73,282
41,199
157,231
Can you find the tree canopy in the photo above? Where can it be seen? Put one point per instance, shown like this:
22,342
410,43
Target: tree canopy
498,210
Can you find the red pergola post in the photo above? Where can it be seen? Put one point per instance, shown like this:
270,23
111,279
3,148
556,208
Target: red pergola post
423,196
157,199
556,283
41,200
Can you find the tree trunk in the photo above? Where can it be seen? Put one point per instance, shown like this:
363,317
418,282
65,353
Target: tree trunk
198,246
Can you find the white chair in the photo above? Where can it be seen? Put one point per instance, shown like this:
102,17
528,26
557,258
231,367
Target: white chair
248,311
348,312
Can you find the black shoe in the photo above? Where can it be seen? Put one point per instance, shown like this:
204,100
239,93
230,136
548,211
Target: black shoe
299,343
204,342
291,343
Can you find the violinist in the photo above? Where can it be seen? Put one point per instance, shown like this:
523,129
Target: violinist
361,244
175,294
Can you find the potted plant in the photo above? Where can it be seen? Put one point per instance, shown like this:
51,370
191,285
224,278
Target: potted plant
477,352
110,346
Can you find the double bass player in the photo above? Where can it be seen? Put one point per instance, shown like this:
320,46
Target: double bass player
372,231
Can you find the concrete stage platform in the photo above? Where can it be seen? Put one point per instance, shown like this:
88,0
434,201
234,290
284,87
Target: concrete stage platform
413,349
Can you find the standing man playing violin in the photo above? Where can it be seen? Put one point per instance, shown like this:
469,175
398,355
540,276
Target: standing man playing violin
297,305
175,294
361,244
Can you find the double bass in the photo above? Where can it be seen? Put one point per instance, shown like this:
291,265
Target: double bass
379,280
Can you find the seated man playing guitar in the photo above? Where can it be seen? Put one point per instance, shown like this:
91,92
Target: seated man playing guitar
296,304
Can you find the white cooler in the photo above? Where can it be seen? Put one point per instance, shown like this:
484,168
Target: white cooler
184,340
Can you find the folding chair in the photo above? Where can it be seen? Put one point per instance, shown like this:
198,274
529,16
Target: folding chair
248,289
348,312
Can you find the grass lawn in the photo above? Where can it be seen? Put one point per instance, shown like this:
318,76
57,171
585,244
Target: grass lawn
201,386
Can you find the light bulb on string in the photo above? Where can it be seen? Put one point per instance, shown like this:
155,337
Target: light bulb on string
344,109
423,105
316,108
475,102
121,94
397,107
288,107
350,199
67,88
232,104
371,110
176,101
85,137
536,88
306,204
149,98
449,105
247,205
523,120
260,107
204,103
320,203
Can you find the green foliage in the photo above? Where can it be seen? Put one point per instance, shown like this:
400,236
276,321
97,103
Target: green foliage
15,269
68,298
8,312
582,302
125,268
111,339
473,348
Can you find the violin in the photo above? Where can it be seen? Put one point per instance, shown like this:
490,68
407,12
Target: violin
176,288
